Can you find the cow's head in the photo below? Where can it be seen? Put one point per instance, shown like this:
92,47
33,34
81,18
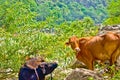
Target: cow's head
74,43
77,43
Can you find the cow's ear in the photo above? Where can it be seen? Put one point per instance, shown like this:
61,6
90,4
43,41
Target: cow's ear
27,58
67,43
82,41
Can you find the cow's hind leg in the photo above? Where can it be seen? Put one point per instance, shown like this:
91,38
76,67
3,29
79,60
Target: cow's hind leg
114,57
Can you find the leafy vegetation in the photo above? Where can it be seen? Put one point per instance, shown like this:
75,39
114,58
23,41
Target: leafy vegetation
114,13
70,10
60,10
41,27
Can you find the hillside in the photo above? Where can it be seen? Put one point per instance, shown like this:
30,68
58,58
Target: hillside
69,10
64,10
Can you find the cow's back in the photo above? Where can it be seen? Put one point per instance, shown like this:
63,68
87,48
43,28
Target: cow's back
110,43
102,47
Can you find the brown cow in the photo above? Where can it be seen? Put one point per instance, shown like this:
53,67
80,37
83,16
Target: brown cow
104,47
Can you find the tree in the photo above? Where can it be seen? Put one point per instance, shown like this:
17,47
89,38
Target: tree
114,12
14,14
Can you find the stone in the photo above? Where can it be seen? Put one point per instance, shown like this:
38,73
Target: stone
84,74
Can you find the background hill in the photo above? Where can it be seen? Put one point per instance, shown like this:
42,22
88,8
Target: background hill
69,10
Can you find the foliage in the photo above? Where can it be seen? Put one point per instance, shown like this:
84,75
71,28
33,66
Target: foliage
71,10
15,14
112,21
114,13
63,10
116,76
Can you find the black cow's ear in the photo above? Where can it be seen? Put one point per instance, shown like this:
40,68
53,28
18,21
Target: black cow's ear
27,58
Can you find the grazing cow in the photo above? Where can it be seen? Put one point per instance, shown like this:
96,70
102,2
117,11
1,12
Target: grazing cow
36,69
104,47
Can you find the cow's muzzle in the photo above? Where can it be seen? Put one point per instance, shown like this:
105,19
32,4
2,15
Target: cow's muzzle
77,49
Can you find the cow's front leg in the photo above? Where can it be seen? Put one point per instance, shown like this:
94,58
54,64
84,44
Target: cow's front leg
90,65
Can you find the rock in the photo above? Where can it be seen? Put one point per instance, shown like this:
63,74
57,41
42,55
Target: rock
104,29
78,64
83,74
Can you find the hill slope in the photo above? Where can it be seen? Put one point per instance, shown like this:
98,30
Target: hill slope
69,10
